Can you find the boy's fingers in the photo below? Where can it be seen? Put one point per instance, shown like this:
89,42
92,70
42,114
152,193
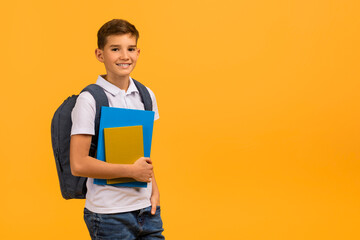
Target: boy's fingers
153,208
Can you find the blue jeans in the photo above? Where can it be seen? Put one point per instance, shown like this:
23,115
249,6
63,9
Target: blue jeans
139,225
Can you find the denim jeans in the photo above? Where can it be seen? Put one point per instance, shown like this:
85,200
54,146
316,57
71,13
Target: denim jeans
139,225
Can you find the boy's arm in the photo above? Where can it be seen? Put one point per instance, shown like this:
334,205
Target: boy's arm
155,195
85,166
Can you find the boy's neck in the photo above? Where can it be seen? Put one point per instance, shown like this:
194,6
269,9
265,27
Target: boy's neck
122,82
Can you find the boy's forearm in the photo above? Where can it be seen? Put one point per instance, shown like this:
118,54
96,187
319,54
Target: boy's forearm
95,168
155,189
155,195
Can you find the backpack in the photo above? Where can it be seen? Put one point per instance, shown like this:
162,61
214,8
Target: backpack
72,186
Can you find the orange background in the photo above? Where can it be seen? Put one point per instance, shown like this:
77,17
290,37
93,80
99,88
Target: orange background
258,136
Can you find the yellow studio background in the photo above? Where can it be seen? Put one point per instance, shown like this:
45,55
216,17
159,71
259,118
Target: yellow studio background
258,136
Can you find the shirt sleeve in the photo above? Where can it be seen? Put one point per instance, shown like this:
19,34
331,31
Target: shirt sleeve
83,115
155,107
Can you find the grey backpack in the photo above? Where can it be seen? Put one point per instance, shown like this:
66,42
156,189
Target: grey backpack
72,186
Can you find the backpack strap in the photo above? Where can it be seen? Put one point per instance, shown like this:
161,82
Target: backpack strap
101,100
145,96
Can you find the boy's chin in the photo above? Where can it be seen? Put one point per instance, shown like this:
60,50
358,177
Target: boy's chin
120,74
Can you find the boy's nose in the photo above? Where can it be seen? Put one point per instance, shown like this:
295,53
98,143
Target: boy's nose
124,55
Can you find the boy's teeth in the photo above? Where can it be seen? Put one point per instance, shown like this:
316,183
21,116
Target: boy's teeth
123,64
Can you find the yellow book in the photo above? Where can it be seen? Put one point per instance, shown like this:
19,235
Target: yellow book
123,145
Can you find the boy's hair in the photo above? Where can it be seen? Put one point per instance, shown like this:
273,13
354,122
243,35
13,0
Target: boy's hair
115,27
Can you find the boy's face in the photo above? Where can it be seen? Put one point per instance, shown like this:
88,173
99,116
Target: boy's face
119,55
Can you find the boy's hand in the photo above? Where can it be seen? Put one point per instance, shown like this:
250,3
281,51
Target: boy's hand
143,170
155,201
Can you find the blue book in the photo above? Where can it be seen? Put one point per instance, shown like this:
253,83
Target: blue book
120,117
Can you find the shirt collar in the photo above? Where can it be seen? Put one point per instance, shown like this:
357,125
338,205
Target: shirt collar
112,89
132,87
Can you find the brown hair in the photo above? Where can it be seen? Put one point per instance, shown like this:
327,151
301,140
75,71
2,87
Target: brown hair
115,27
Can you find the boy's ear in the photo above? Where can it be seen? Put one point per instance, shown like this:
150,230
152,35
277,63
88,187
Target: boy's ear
99,55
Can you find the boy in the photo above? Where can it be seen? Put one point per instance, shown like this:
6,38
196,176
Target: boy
115,212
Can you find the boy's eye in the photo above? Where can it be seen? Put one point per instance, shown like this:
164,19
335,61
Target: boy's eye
114,49
132,49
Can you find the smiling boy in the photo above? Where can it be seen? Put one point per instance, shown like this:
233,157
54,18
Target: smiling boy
115,212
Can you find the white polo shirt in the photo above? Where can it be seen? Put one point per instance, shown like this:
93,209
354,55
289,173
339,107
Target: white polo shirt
105,198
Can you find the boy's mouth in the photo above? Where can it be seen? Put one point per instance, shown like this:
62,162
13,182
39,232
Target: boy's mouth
123,64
